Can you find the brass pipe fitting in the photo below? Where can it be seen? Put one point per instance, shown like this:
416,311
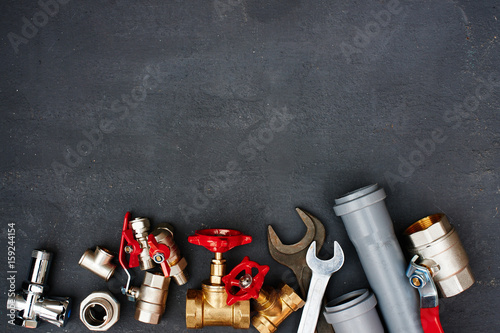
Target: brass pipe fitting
99,311
273,307
140,226
98,262
152,298
208,307
437,244
164,234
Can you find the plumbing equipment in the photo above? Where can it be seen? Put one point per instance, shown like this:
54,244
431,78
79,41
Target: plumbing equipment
370,229
322,270
140,226
99,311
354,312
208,307
436,243
151,298
98,262
272,306
164,234
31,305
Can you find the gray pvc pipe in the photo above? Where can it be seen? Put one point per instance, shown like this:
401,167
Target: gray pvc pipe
370,229
354,312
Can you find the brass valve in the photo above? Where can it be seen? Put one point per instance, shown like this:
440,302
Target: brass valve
208,306
140,226
272,306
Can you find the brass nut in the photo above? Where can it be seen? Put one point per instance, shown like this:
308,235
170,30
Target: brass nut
99,311
436,242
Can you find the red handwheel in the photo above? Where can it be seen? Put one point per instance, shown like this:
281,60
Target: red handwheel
219,240
247,286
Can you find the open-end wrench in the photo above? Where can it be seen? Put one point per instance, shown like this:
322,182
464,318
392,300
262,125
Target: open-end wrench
322,270
294,256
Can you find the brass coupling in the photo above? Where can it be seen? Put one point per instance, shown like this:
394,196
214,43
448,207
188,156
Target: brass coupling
164,234
273,307
98,262
99,311
140,226
438,246
151,298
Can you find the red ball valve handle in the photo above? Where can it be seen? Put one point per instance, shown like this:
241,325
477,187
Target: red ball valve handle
246,287
219,240
159,253
132,247
430,320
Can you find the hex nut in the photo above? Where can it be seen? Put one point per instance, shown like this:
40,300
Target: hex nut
99,311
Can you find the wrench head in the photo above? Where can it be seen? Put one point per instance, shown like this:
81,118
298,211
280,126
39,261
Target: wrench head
325,267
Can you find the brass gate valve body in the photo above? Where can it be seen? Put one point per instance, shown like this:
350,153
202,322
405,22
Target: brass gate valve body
208,306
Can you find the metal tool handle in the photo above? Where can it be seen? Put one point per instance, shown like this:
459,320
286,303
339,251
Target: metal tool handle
430,320
311,310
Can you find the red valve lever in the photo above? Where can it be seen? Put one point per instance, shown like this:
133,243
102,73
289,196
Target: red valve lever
132,243
430,320
219,240
231,282
159,253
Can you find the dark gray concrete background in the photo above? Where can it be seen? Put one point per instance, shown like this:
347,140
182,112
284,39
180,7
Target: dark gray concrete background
231,113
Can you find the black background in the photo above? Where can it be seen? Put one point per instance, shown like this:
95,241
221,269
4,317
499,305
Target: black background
217,73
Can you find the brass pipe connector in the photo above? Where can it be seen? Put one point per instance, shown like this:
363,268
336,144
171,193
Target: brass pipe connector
164,234
151,298
208,307
98,262
437,244
140,226
273,307
99,311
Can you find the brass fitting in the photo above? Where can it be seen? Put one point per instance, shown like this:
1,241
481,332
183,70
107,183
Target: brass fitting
151,298
440,250
273,307
207,307
98,262
164,234
99,311
141,225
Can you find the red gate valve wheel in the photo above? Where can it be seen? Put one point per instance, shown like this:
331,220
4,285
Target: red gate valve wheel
247,286
159,253
219,240
132,247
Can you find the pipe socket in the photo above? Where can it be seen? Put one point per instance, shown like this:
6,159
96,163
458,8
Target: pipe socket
354,312
99,311
98,262
370,229
31,305
164,234
140,226
436,243
152,298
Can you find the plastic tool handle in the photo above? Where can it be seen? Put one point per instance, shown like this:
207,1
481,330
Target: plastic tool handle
128,236
252,290
219,240
430,320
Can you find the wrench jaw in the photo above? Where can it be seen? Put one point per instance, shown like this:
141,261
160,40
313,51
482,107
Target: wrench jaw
325,267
